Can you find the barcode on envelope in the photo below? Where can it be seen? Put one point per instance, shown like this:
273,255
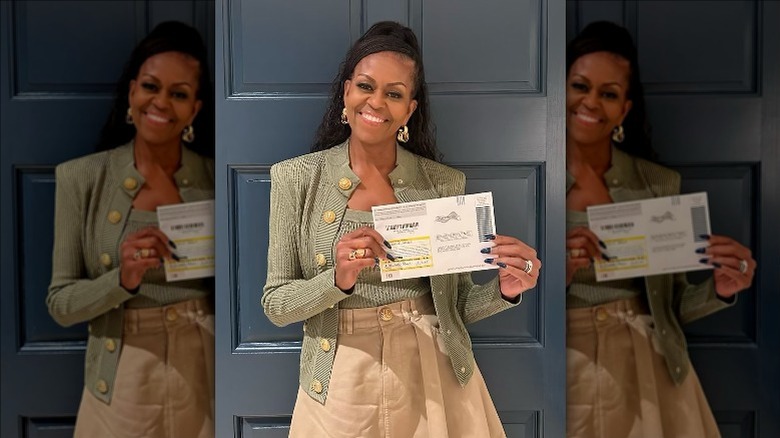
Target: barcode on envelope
484,222
699,220
190,226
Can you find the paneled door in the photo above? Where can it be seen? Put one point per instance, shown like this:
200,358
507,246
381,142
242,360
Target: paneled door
711,71
496,74
60,63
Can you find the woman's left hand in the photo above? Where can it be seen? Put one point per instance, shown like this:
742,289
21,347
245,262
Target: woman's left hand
733,262
514,258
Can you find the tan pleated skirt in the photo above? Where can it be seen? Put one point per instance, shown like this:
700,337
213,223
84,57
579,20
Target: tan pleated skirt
618,383
392,379
164,385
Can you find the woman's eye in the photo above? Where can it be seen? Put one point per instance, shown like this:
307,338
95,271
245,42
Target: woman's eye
579,86
609,95
179,95
365,86
394,95
149,86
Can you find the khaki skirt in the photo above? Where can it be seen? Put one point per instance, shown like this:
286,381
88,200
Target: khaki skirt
164,386
618,382
392,379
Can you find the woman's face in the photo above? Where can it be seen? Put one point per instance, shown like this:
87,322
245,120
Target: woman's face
378,97
596,97
163,97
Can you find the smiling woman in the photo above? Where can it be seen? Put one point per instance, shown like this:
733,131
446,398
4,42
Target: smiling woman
150,352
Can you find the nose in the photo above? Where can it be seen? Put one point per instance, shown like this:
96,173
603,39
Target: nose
161,100
590,100
376,100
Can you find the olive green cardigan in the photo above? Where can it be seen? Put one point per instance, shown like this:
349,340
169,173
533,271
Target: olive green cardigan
93,200
672,300
307,206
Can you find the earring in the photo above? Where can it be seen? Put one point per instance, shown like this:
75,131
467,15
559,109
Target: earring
344,120
403,134
129,117
188,134
618,134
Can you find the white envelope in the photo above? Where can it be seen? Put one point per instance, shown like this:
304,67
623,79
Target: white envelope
651,236
190,226
437,236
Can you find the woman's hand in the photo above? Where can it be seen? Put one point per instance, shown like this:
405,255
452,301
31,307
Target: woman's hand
582,247
733,262
518,265
141,251
355,251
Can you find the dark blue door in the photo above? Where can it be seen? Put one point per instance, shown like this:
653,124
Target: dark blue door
711,71
496,73
60,61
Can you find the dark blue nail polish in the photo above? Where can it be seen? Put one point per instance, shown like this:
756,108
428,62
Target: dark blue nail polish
701,250
171,244
390,257
387,244
501,264
716,264
490,236
489,261
175,257
485,250
704,236
604,256
704,261
602,244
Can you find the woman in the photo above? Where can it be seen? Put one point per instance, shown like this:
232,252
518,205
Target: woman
628,370
379,359
150,352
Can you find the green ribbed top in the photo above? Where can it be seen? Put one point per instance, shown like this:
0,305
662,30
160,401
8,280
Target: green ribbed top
155,291
370,291
584,290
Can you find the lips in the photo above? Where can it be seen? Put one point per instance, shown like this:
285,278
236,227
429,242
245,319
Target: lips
157,119
586,119
371,119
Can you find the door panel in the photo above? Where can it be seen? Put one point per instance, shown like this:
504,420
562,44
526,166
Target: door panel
499,119
60,61
712,76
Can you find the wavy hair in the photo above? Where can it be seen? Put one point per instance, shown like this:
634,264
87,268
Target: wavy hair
385,36
604,36
169,36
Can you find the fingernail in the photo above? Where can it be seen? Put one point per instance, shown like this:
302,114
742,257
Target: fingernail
704,236
171,244
501,264
716,264
605,257
700,250
387,244
175,257
704,261
602,244
490,236
485,250
390,257
489,261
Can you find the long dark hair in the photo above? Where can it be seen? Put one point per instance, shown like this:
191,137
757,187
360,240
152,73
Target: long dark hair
604,36
381,37
170,36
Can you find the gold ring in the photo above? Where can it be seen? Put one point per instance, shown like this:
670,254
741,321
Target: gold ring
529,266
137,254
142,253
576,252
357,253
743,266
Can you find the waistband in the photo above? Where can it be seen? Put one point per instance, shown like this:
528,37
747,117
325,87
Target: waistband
373,318
613,312
138,320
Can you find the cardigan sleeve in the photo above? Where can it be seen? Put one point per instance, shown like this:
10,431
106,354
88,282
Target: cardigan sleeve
72,296
287,296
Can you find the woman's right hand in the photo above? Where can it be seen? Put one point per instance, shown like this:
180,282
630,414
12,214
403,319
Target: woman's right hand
140,251
582,247
355,251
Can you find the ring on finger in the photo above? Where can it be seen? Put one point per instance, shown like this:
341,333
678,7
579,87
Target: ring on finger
529,266
743,266
137,254
576,252
357,253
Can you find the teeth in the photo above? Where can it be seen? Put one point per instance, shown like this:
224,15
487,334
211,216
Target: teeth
155,118
371,118
587,118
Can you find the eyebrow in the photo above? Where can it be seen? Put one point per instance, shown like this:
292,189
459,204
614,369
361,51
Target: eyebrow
617,84
174,84
391,83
